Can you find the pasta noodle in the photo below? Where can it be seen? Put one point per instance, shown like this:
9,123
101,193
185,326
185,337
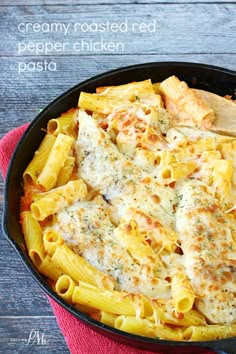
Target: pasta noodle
55,161
33,237
49,269
188,102
182,291
56,199
78,268
65,124
144,327
107,300
40,157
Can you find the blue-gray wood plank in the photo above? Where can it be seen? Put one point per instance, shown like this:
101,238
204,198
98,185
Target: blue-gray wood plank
179,29
109,2
188,30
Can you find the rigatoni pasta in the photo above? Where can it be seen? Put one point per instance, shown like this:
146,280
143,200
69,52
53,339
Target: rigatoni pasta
182,291
129,211
56,159
65,124
49,269
33,237
36,165
187,101
79,269
51,202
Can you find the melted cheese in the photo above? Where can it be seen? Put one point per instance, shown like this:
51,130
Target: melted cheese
209,251
206,240
87,229
118,178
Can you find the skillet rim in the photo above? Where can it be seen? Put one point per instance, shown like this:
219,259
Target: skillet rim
130,339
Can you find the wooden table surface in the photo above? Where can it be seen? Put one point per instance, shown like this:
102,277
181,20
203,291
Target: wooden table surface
187,30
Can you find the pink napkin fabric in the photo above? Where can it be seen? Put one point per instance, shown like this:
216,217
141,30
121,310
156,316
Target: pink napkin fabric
79,337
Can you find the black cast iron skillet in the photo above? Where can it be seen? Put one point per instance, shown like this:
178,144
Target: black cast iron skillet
214,79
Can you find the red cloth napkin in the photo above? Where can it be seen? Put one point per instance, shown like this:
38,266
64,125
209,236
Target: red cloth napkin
80,338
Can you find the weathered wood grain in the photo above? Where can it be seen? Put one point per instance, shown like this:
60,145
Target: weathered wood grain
31,335
102,2
19,293
95,2
180,28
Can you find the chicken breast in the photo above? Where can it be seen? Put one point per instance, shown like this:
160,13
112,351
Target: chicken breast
209,251
117,178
